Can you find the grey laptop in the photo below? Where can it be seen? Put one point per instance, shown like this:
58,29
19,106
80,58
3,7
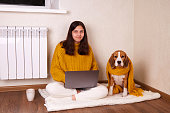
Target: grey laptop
81,79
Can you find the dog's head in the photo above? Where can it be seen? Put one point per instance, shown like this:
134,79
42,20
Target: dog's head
119,59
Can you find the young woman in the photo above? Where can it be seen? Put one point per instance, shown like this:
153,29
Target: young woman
74,54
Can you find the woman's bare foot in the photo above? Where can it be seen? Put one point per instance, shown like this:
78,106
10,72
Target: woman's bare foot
73,97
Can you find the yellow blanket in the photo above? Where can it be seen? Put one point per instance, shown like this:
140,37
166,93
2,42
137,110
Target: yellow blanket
122,71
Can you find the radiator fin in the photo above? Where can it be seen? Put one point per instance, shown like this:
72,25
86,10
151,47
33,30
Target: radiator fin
23,52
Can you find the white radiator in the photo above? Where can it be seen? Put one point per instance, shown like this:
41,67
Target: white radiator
23,52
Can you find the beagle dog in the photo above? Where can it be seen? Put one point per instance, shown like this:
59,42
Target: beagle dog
118,59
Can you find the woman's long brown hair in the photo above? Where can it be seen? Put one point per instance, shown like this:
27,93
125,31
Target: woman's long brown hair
68,44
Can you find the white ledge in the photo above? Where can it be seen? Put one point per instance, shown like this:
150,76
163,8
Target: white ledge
26,10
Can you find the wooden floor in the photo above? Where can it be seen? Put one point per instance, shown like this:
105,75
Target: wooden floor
15,102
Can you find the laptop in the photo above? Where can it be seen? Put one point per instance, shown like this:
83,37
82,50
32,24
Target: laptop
81,79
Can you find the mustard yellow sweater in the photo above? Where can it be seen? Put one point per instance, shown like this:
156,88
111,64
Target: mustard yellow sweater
62,62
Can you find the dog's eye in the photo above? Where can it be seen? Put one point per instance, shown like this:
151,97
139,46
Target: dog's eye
115,56
122,56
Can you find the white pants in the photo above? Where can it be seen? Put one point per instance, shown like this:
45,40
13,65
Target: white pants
57,89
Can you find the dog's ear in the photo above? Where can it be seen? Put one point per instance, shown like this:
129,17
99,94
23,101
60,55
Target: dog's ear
126,62
112,62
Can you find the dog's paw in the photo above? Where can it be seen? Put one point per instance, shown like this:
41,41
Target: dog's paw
110,93
124,92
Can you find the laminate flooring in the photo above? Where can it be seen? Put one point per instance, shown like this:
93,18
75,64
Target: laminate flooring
16,102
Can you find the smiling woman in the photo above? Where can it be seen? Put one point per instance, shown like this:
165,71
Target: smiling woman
73,54
78,34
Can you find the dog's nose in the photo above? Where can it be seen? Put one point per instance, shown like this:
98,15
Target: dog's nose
118,62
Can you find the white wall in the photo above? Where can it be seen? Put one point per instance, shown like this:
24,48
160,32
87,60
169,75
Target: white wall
109,26
152,43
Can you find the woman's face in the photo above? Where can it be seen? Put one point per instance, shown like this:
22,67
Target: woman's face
78,34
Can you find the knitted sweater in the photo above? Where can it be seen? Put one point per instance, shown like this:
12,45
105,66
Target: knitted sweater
63,62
